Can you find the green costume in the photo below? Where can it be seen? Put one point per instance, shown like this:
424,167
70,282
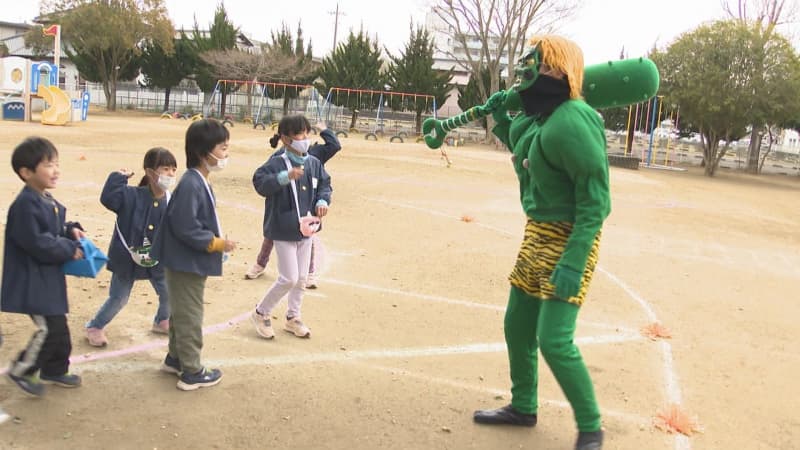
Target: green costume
559,156
562,168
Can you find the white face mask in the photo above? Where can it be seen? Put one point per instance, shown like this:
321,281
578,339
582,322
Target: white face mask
301,145
221,163
166,182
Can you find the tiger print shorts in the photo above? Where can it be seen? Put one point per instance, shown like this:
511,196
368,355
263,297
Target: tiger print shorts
542,246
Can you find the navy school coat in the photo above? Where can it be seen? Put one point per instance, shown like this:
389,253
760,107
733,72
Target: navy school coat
36,246
280,214
138,216
187,228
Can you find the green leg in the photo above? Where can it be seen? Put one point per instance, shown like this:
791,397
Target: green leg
556,332
520,329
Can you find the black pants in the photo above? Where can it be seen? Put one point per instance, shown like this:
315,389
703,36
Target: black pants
48,349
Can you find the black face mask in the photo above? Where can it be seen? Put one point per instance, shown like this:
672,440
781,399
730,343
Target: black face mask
544,95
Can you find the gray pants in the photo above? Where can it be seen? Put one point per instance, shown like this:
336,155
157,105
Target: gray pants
185,292
293,261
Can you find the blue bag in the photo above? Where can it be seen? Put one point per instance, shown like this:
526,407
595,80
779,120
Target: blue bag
92,262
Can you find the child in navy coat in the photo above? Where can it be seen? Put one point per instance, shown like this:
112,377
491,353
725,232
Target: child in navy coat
38,241
190,246
323,152
295,185
139,210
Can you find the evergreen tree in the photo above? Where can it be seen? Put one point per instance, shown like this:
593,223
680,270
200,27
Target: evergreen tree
413,72
222,35
284,44
163,69
354,64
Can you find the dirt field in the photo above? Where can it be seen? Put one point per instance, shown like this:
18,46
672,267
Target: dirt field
407,322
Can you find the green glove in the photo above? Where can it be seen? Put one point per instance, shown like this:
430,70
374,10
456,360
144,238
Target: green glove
496,105
567,282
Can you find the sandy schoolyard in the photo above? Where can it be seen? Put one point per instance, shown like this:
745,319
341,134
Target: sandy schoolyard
407,323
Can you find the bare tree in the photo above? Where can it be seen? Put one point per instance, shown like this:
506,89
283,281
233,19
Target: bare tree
765,16
269,65
492,34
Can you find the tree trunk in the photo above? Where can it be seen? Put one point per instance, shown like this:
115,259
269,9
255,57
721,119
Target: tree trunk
166,98
110,89
223,101
754,150
353,119
418,123
286,100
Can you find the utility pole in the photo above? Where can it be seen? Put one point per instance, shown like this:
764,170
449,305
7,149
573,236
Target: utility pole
335,24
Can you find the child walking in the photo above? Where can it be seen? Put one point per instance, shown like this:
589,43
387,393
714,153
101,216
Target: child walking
190,247
295,185
139,211
323,152
38,241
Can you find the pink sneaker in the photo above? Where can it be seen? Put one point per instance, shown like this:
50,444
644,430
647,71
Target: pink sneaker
161,327
96,337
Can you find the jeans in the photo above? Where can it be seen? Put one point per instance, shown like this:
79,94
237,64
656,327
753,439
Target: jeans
118,294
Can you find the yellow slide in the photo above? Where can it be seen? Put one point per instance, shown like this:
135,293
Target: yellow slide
60,106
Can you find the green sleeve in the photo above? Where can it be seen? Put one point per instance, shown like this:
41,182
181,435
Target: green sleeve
578,146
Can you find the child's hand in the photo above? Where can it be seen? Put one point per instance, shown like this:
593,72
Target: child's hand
77,233
296,173
230,245
320,126
126,172
322,210
78,253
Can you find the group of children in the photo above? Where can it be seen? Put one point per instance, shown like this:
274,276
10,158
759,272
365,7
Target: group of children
171,237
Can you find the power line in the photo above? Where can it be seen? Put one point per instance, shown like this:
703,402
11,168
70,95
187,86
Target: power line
336,14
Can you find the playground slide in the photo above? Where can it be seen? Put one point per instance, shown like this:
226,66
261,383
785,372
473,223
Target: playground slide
60,105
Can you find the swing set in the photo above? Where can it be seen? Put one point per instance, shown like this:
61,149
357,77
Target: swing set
406,112
255,108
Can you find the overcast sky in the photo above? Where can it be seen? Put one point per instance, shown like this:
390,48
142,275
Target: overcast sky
601,28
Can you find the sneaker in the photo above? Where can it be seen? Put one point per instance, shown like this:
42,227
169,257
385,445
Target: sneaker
171,365
161,327
203,378
66,380
96,337
28,383
263,325
296,327
311,281
254,272
4,416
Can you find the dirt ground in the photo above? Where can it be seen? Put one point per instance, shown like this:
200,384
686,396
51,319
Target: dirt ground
407,322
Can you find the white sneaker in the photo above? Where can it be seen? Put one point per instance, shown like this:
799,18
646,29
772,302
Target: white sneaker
4,416
296,327
263,325
254,272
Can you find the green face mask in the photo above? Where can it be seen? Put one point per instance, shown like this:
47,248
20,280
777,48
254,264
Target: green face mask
527,69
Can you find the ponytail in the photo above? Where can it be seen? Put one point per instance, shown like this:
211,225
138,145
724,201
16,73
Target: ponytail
273,141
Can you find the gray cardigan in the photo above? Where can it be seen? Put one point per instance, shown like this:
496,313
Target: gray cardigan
188,226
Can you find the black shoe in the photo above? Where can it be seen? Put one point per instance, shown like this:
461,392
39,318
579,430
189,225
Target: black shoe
28,383
506,415
171,365
203,378
66,380
589,440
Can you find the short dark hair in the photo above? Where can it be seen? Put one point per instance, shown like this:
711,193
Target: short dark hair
201,138
290,125
30,152
157,157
